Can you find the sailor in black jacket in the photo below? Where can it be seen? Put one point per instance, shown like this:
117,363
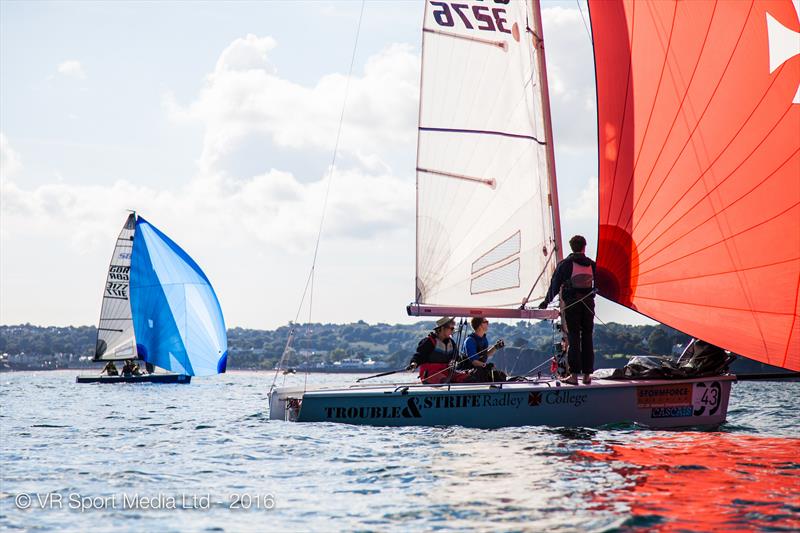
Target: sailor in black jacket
574,281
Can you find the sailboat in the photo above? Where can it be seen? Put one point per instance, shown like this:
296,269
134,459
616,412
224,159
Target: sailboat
699,195
159,307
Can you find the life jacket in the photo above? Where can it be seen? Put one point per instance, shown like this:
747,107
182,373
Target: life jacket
442,352
481,345
582,278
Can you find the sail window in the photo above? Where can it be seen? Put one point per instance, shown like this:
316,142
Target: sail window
498,279
502,251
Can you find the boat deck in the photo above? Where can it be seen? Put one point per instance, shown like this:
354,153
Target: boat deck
415,387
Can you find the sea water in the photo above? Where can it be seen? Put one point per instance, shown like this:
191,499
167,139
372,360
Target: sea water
205,457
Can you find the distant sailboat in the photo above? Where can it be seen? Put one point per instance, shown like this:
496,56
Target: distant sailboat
158,306
699,145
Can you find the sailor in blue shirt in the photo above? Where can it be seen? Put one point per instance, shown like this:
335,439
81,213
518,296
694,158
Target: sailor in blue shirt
476,352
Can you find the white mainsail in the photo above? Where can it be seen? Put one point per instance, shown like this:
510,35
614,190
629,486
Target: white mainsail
486,232
115,336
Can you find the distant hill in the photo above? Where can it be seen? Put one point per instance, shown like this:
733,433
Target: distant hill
528,344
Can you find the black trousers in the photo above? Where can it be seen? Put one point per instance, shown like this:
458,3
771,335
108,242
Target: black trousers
580,323
487,375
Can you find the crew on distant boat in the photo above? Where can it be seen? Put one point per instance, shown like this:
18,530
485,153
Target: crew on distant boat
110,369
574,278
131,368
435,354
476,352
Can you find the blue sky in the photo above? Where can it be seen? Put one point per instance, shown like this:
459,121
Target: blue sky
217,122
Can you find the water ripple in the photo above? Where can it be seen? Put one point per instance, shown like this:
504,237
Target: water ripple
214,438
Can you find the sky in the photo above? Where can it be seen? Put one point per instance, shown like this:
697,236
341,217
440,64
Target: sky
217,123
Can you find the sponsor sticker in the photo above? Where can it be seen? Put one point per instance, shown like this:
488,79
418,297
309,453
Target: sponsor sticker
566,398
671,412
415,407
664,395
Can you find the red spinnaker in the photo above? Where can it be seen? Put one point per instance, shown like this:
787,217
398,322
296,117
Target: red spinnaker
699,165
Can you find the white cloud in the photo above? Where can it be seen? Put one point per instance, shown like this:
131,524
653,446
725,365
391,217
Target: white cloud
584,207
257,227
570,73
243,224
272,209
72,69
9,159
245,97
249,53
253,238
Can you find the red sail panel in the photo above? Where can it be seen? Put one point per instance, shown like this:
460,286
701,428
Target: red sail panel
699,165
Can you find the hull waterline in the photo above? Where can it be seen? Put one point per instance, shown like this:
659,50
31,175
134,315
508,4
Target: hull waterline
699,402
149,378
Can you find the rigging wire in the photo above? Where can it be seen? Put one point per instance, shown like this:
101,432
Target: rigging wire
335,152
309,286
585,25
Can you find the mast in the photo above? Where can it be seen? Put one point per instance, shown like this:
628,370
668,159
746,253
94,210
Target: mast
538,36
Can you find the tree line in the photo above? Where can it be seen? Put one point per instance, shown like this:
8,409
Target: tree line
327,343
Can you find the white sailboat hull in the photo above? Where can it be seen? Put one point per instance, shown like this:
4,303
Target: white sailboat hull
651,403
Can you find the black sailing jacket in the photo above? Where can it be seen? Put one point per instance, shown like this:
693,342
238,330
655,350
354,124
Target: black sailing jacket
562,276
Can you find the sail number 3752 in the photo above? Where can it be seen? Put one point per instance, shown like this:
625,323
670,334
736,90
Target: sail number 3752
481,17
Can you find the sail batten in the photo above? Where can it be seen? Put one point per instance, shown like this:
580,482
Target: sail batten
699,169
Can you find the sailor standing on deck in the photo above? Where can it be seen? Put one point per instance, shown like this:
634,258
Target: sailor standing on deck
436,352
574,278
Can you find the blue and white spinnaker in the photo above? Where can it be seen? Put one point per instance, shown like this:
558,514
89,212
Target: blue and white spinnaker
176,315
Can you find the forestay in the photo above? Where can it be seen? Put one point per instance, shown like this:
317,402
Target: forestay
485,230
115,334
176,314
699,145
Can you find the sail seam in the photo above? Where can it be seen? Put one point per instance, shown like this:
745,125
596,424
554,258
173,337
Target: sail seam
723,240
794,321
711,274
621,134
728,308
697,125
715,213
677,112
652,109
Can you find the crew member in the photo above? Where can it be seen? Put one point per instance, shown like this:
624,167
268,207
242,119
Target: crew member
110,369
436,354
477,351
574,281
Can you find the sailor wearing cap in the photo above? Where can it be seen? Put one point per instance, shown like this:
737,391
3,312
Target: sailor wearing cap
436,352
